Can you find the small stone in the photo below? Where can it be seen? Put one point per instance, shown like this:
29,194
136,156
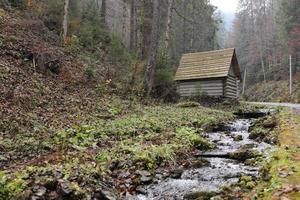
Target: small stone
243,155
146,179
288,190
159,176
114,165
238,138
145,176
237,189
267,177
124,175
58,174
277,194
41,191
286,147
176,174
283,174
200,163
128,181
143,173
199,195
25,195
250,162
141,190
35,198
297,188
53,195
65,188
104,195
251,185
284,198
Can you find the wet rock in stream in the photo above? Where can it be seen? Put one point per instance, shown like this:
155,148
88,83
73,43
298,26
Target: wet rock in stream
216,168
243,155
176,174
199,195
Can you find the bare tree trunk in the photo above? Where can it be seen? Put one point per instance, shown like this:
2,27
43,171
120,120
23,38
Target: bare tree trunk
263,65
103,12
65,20
169,18
147,27
184,26
252,14
136,28
151,65
124,25
244,81
132,25
193,30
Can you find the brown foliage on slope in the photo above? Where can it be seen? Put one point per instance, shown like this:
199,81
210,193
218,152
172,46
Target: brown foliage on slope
33,105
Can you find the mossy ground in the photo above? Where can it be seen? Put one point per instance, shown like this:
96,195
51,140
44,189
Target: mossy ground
133,137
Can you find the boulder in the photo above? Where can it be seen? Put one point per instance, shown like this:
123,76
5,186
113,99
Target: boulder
244,154
199,195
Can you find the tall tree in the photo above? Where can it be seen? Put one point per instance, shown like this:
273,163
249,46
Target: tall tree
168,24
103,12
133,24
151,63
148,11
65,20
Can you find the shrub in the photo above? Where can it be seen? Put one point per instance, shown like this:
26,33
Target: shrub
164,85
51,13
15,3
89,72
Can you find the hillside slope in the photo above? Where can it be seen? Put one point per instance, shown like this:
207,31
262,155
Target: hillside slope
36,103
274,91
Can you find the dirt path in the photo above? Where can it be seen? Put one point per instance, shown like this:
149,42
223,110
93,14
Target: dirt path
289,105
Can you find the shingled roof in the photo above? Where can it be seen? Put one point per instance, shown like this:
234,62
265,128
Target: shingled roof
211,64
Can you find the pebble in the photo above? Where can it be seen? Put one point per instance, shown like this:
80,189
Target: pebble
141,190
41,191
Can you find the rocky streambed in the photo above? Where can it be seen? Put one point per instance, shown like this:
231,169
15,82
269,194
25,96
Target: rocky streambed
234,157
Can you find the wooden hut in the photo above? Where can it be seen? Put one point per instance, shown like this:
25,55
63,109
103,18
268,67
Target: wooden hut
212,73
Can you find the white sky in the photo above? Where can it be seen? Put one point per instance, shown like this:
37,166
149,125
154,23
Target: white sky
228,6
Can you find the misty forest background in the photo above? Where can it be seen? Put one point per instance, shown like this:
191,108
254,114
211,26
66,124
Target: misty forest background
145,40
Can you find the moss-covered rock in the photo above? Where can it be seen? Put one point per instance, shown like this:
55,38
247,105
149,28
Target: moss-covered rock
244,154
238,138
188,104
247,182
265,129
199,196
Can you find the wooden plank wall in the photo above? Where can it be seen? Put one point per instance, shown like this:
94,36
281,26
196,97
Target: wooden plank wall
231,87
201,87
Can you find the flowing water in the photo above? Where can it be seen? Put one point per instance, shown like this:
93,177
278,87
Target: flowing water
220,172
